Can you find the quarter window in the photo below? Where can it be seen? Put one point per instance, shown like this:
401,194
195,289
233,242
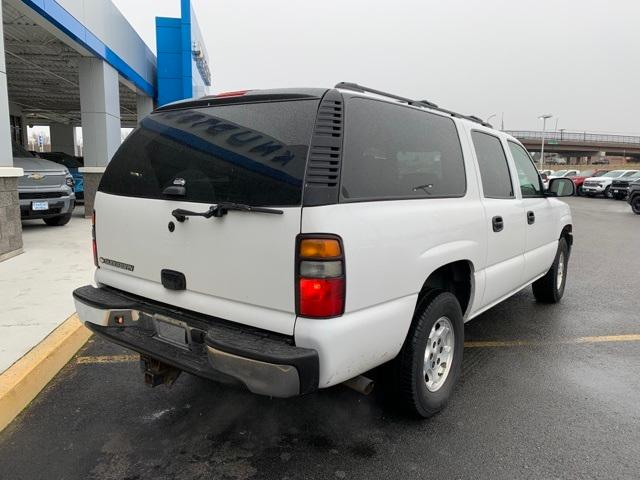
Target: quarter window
494,169
393,151
527,173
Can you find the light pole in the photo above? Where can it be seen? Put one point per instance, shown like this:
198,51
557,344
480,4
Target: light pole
544,126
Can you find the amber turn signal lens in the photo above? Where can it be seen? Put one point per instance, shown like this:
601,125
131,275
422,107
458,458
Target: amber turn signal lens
319,248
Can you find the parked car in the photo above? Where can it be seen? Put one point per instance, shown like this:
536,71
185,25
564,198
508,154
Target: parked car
296,239
564,173
73,164
602,185
620,187
556,161
634,197
45,190
578,180
546,172
600,161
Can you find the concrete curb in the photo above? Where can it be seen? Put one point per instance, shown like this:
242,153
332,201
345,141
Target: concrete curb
23,380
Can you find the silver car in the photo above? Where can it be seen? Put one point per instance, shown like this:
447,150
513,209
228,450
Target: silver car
45,189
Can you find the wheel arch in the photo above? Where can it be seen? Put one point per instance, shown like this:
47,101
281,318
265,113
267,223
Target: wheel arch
456,277
567,234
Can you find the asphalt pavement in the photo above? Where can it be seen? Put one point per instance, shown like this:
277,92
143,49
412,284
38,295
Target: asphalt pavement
556,396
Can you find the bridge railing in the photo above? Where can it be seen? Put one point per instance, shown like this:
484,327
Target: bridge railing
575,136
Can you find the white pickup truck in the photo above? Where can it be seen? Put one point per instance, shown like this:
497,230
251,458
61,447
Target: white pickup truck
291,240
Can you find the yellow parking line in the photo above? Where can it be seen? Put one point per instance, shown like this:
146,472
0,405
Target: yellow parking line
527,343
23,380
471,344
108,359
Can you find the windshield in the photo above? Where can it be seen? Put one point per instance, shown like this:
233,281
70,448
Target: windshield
559,173
247,153
613,174
629,174
20,151
588,173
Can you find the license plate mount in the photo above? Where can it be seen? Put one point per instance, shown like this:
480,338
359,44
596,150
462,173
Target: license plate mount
171,331
37,206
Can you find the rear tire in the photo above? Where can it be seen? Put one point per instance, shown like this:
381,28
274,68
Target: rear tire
607,192
550,288
58,221
427,368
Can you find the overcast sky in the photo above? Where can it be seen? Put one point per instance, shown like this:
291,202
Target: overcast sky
578,60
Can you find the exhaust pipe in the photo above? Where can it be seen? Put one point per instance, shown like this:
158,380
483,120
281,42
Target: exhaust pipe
360,384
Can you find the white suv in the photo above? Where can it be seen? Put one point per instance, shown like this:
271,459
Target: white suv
291,240
601,185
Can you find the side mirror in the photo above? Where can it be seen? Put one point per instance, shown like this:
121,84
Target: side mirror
561,187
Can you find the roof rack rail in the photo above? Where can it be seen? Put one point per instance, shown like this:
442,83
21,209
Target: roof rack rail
418,103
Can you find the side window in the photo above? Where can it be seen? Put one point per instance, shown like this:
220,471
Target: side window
394,151
494,169
527,173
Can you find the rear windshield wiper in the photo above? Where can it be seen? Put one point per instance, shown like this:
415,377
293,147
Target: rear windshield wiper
221,209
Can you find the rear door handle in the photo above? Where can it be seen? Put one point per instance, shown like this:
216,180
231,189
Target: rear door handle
498,223
531,217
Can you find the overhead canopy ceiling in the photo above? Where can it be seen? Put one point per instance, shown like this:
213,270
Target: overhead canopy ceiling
42,73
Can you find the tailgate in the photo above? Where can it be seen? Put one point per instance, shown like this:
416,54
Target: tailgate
239,266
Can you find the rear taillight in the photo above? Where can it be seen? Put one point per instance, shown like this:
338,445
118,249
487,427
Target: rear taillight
320,276
93,239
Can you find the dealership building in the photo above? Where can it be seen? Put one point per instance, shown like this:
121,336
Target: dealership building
79,63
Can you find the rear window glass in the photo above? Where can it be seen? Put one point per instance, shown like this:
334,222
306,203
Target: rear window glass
393,151
250,153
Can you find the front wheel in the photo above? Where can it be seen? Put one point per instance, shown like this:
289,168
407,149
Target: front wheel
607,192
428,366
635,204
550,288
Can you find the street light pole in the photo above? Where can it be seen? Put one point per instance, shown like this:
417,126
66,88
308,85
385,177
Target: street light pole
544,127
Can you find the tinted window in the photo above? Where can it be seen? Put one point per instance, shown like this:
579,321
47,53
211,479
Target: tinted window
249,153
628,174
494,170
527,173
394,151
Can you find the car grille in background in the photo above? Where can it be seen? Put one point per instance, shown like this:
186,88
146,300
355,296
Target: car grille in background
46,181
620,183
38,195
591,184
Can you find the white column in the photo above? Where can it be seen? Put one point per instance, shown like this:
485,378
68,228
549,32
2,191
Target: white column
145,106
100,111
6,158
62,138
10,225
100,114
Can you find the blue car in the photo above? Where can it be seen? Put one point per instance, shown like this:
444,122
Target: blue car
73,164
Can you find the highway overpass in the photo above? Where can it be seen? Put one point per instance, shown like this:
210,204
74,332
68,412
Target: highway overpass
580,144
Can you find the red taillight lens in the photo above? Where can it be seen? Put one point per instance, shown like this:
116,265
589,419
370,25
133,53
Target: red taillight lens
93,239
320,279
321,297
